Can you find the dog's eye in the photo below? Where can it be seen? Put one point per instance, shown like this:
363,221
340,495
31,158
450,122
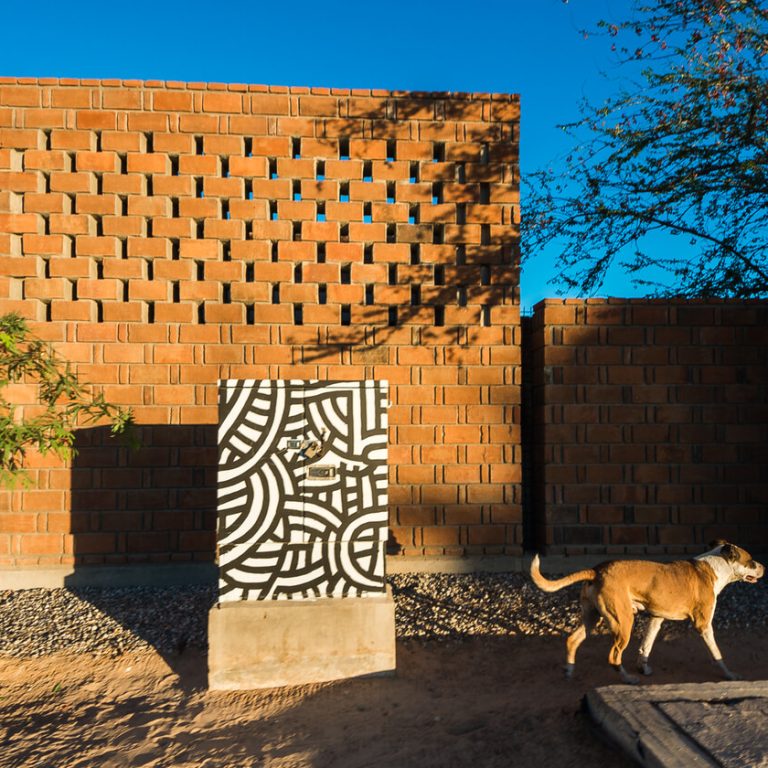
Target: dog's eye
751,564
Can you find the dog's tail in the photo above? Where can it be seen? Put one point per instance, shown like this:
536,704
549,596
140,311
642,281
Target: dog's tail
588,574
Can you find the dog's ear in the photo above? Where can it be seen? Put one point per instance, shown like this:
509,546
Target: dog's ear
717,543
729,553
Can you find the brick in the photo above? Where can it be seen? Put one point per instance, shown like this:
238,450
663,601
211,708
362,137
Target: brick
367,107
319,106
224,230
271,146
96,120
199,165
172,101
344,253
222,102
17,181
148,290
43,544
353,295
100,289
296,251
198,123
147,122
122,99
439,494
19,96
198,291
320,230
197,208
288,167
47,203
200,249
222,145
96,246
71,267
73,182
73,140
487,534
298,127
269,104
20,138
44,118
248,166
224,271
251,250
275,189
22,266
21,223
71,97
138,162
250,292
344,170
172,143
462,434
367,149
148,206
248,125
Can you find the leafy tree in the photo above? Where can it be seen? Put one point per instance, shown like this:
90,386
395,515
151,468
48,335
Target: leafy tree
681,149
64,402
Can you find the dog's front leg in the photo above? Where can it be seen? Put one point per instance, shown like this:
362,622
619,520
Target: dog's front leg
709,638
654,625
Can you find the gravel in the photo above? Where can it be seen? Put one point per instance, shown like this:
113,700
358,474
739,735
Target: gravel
429,607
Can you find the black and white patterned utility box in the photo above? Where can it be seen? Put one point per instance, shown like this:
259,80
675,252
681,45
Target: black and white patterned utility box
302,489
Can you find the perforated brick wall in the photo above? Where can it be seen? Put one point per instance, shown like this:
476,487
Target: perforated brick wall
651,425
166,235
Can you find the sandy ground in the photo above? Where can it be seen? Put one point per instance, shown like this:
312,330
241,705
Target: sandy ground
478,702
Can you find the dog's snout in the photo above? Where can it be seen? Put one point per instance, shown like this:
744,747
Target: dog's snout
754,571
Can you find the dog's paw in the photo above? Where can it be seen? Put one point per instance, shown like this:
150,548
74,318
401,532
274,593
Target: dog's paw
568,671
626,677
727,674
644,667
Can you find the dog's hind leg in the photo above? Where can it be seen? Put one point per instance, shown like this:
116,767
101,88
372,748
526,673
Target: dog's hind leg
589,618
654,625
620,619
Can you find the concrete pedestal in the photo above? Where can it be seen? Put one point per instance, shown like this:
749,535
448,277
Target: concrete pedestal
269,643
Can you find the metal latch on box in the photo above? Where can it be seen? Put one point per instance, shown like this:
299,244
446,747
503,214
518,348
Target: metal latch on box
321,471
308,448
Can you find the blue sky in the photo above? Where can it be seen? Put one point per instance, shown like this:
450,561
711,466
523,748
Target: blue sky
530,47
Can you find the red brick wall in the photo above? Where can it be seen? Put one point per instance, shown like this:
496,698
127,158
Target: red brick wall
153,233
651,425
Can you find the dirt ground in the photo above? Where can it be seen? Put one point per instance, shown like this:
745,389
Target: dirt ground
478,702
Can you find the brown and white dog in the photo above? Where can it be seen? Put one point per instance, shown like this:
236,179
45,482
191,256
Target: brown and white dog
684,589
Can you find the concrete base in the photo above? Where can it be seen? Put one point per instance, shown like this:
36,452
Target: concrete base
150,574
265,644
143,575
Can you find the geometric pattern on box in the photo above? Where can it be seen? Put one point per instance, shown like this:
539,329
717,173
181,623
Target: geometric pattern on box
302,489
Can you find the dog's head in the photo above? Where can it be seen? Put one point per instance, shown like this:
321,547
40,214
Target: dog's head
743,566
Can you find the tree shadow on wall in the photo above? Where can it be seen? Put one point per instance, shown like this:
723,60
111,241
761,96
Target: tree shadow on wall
452,303
454,257
152,506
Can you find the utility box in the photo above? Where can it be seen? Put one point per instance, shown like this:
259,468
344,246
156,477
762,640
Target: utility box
302,531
